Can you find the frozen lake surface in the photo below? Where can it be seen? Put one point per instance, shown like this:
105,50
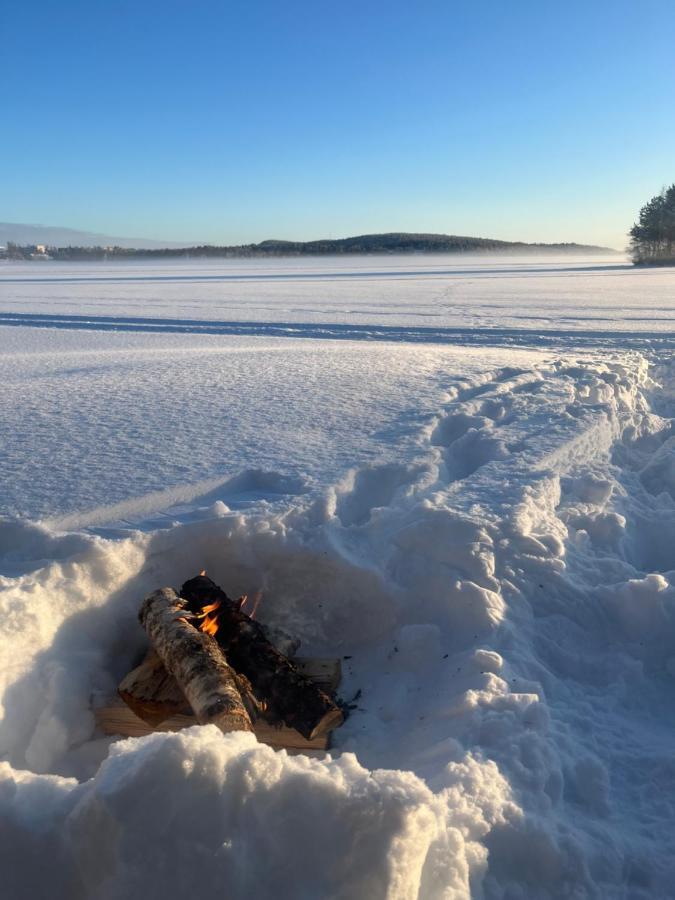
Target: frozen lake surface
423,298
460,479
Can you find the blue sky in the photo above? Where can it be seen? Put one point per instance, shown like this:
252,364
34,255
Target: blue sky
235,122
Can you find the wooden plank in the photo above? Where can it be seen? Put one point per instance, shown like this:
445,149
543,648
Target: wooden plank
116,718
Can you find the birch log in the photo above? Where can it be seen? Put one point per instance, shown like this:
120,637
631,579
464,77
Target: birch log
216,693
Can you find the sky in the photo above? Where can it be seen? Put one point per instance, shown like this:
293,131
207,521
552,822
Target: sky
232,122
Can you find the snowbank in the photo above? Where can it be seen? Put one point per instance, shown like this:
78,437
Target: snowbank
206,815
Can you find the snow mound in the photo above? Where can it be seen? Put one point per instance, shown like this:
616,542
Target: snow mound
196,813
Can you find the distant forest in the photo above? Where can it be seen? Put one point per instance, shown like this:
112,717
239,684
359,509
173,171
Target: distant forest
364,244
653,235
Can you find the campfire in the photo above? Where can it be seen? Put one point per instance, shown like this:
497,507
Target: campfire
211,662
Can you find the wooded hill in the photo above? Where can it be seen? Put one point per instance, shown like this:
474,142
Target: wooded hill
377,244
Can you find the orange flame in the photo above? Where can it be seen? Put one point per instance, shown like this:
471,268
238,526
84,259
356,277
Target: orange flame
209,608
209,623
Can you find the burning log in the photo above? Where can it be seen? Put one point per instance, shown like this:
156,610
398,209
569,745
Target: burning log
217,694
291,695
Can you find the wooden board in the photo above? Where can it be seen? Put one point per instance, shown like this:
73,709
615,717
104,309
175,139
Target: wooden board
117,718
151,690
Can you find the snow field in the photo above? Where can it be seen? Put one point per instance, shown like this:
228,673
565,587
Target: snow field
502,595
107,419
583,295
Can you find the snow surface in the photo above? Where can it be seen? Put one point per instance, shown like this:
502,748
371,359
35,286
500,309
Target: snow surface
484,533
189,412
409,297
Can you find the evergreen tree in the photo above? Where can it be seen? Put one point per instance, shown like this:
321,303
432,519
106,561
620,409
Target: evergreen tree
653,235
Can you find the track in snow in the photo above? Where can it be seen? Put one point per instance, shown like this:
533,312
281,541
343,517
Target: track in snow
489,336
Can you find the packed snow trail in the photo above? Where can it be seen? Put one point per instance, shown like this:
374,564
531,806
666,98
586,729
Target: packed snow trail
493,336
504,602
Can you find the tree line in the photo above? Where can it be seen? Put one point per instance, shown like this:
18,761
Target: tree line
396,242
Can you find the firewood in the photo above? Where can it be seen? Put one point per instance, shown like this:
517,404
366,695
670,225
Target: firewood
216,693
154,696
293,696
115,718
152,692
154,702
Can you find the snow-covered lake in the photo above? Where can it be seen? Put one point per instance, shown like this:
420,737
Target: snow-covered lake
456,473
412,297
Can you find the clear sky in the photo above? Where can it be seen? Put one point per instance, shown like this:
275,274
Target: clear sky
238,121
